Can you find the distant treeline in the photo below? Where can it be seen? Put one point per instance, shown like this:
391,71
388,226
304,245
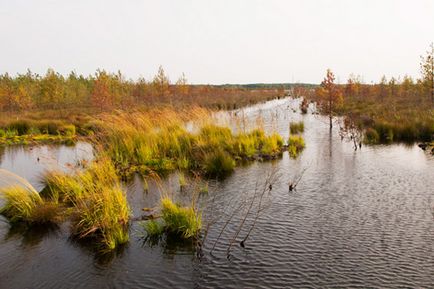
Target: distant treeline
104,91
270,85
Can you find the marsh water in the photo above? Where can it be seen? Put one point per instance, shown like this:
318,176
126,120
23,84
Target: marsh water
360,218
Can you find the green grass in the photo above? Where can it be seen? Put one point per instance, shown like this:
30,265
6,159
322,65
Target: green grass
93,199
153,228
183,221
218,164
100,210
31,132
271,145
296,127
295,145
28,207
371,136
157,142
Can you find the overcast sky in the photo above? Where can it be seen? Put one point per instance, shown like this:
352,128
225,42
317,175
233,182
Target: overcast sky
219,41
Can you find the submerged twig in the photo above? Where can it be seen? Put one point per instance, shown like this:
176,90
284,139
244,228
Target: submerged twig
293,184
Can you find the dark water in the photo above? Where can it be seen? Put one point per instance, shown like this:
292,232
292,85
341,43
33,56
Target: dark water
357,219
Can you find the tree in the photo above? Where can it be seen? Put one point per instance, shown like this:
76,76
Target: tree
330,96
101,96
161,83
427,70
52,89
383,88
182,88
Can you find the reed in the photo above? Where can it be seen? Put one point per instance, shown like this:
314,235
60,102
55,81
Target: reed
157,141
153,228
183,221
296,144
100,210
28,207
296,127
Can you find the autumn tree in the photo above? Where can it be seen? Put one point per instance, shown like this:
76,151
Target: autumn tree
329,96
182,87
52,89
383,88
427,70
101,96
161,83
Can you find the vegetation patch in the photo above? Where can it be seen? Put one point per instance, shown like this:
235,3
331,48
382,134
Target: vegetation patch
295,145
23,206
296,127
92,199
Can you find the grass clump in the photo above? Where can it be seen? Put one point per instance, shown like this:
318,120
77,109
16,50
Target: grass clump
295,145
183,221
28,207
158,142
296,127
100,210
22,127
371,136
62,187
219,164
153,228
103,215
271,145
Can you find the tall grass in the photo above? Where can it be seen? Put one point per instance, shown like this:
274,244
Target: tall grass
27,207
23,204
296,144
100,207
184,221
296,127
157,141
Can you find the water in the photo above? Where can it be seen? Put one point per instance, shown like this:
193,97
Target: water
357,219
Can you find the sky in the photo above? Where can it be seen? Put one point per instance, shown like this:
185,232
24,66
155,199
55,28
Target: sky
219,41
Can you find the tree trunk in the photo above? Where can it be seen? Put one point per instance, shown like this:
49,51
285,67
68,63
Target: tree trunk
331,122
